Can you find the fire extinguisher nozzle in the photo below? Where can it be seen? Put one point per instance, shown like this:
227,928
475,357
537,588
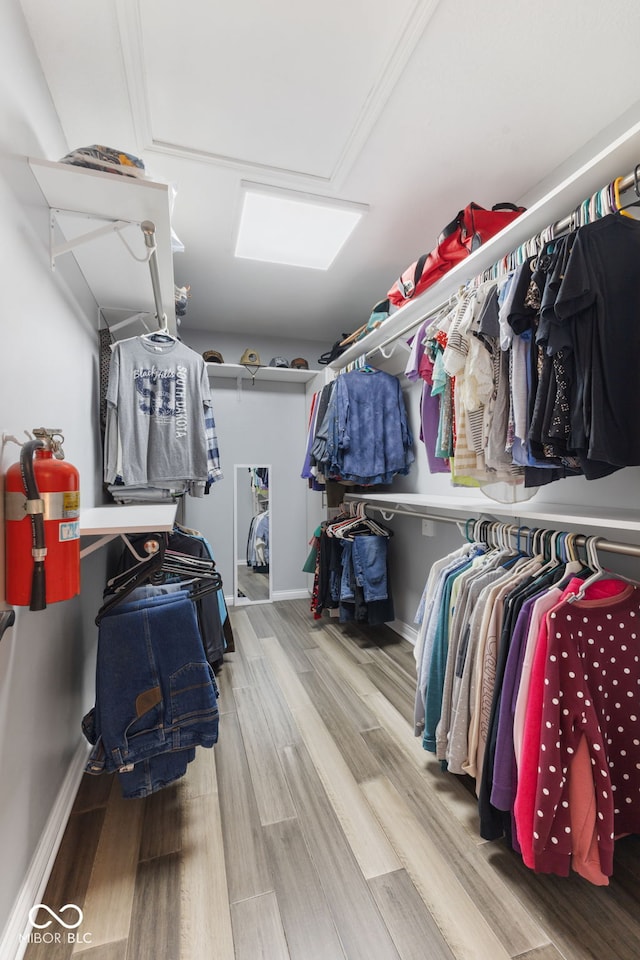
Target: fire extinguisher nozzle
38,588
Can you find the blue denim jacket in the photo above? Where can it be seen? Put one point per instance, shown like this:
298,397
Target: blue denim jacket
369,439
155,691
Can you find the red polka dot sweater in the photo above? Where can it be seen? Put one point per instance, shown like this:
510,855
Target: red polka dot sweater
591,688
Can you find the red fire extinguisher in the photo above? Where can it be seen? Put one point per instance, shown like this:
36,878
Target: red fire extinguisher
42,507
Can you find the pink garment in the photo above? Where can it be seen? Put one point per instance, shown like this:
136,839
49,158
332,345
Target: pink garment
525,803
591,686
542,605
585,856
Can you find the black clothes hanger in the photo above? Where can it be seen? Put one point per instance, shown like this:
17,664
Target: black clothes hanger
125,583
199,574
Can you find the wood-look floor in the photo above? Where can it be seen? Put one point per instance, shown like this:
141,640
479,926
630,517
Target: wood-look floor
254,586
318,829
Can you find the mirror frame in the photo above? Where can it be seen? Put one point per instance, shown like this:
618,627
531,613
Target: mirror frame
245,601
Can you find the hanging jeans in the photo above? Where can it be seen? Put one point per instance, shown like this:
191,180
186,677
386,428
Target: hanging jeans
154,773
155,691
347,582
369,558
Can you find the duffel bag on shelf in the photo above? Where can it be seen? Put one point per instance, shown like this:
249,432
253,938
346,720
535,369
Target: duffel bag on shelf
466,232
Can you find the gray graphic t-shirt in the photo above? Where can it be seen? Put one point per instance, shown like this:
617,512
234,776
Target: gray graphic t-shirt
156,400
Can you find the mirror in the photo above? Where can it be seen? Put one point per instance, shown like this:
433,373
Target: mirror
252,540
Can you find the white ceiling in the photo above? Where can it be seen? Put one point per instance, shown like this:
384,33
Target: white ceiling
414,107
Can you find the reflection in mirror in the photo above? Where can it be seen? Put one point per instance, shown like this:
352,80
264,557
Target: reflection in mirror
252,534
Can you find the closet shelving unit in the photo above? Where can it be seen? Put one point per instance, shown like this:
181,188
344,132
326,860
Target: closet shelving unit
458,509
238,372
619,158
87,209
117,520
379,347
112,204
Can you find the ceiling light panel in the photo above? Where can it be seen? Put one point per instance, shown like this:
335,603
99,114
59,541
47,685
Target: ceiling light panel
293,228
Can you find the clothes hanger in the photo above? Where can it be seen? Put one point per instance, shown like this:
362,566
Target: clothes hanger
350,526
128,581
593,562
205,583
357,518
622,208
160,562
599,573
161,335
154,547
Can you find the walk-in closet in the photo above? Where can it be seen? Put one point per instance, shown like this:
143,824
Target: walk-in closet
320,566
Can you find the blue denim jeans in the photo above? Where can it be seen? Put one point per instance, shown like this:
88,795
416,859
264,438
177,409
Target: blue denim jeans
153,774
369,557
347,583
155,691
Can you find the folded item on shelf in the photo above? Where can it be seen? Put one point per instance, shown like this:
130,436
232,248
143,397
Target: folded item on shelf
106,159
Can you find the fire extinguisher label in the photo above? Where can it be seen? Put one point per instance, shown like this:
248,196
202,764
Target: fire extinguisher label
71,503
69,531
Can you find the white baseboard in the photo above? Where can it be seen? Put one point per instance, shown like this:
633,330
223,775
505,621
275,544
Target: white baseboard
14,941
409,633
301,594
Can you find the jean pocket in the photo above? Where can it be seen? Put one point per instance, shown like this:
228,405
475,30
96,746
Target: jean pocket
192,693
149,714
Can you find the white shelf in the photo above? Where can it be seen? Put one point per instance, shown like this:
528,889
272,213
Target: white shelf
237,371
571,518
127,518
617,159
79,196
110,521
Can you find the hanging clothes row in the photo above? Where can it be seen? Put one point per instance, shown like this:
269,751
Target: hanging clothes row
351,579
160,436
163,627
530,378
310,468
360,430
258,543
528,673
259,478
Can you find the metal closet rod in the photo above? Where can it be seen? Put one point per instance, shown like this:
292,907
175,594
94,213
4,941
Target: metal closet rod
149,230
559,226
611,546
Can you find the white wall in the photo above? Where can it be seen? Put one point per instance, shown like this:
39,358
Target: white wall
48,377
263,423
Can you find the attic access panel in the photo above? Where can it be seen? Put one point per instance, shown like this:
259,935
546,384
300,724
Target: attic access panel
287,88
